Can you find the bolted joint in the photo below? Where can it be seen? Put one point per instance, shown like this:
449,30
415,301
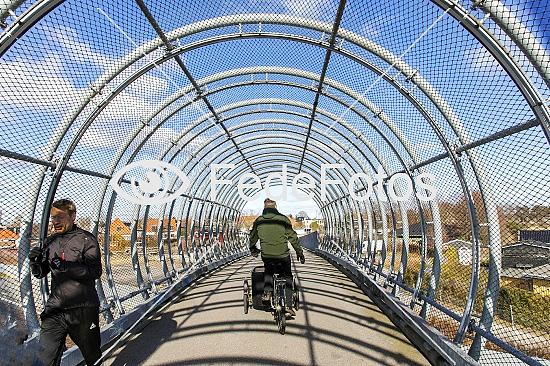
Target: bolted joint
168,48
409,78
471,326
476,4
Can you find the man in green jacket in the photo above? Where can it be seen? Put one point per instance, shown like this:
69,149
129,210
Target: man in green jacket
274,231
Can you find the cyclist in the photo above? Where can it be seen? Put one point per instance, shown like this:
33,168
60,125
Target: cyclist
274,231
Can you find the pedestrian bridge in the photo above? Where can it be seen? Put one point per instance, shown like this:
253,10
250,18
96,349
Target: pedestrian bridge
416,132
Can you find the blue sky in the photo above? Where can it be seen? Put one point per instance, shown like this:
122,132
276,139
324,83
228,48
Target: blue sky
45,81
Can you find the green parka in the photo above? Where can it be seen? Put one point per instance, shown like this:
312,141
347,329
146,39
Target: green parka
274,231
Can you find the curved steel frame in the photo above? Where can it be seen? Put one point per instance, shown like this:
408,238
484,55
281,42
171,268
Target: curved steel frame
339,203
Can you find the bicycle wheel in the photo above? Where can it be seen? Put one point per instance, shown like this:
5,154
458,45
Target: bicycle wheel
246,291
280,316
295,294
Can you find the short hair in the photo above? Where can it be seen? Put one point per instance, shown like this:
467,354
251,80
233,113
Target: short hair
269,203
65,205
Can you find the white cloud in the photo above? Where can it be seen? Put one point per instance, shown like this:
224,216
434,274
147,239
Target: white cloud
67,39
317,9
36,85
481,60
106,136
429,146
160,138
46,84
147,87
370,31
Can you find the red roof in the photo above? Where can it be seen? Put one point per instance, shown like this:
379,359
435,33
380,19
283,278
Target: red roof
7,234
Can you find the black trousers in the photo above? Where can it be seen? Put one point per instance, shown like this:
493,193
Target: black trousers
81,324
282,266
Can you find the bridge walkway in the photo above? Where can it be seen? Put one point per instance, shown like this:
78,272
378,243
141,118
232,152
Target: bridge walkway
205,325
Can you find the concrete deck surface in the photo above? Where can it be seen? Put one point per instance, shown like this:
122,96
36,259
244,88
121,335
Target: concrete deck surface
336,325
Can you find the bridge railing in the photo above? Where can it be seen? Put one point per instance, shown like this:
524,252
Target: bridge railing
392,294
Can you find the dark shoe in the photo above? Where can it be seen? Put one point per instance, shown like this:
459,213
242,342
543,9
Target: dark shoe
290,311
266,297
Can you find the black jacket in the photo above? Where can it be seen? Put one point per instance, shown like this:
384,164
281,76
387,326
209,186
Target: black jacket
74,287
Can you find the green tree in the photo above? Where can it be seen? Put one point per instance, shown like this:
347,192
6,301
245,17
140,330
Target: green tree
515,227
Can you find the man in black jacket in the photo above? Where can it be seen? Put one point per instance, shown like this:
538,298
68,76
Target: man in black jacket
72,257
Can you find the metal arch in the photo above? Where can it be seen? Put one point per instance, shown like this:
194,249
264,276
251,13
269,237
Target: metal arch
310,169
204,144
381,160
135,132
302,74
342,89
226,149
229,147
292,123
403,215
219,153
234,198
234,194
228,191
107,73
472,205
386,168
211,160
435,97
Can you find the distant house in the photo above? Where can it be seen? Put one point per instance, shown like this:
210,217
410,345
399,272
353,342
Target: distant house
463,251
120,228
537,235
526,264
535,279
153,225
526,254
415,231
302,231
7,238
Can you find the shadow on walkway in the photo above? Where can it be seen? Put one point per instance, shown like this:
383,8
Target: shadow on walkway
336,325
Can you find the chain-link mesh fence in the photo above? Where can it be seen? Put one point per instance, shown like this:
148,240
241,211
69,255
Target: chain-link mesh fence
456,90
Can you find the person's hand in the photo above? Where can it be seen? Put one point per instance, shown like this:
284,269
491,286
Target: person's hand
254,252
35,254
301,258
58,263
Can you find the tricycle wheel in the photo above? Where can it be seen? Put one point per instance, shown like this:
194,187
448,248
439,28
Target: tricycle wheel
280,318
295,294
246,291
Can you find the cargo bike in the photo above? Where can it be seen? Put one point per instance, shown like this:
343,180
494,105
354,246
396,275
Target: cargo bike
252,295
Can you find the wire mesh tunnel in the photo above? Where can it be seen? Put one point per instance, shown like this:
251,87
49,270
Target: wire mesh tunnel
419,129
